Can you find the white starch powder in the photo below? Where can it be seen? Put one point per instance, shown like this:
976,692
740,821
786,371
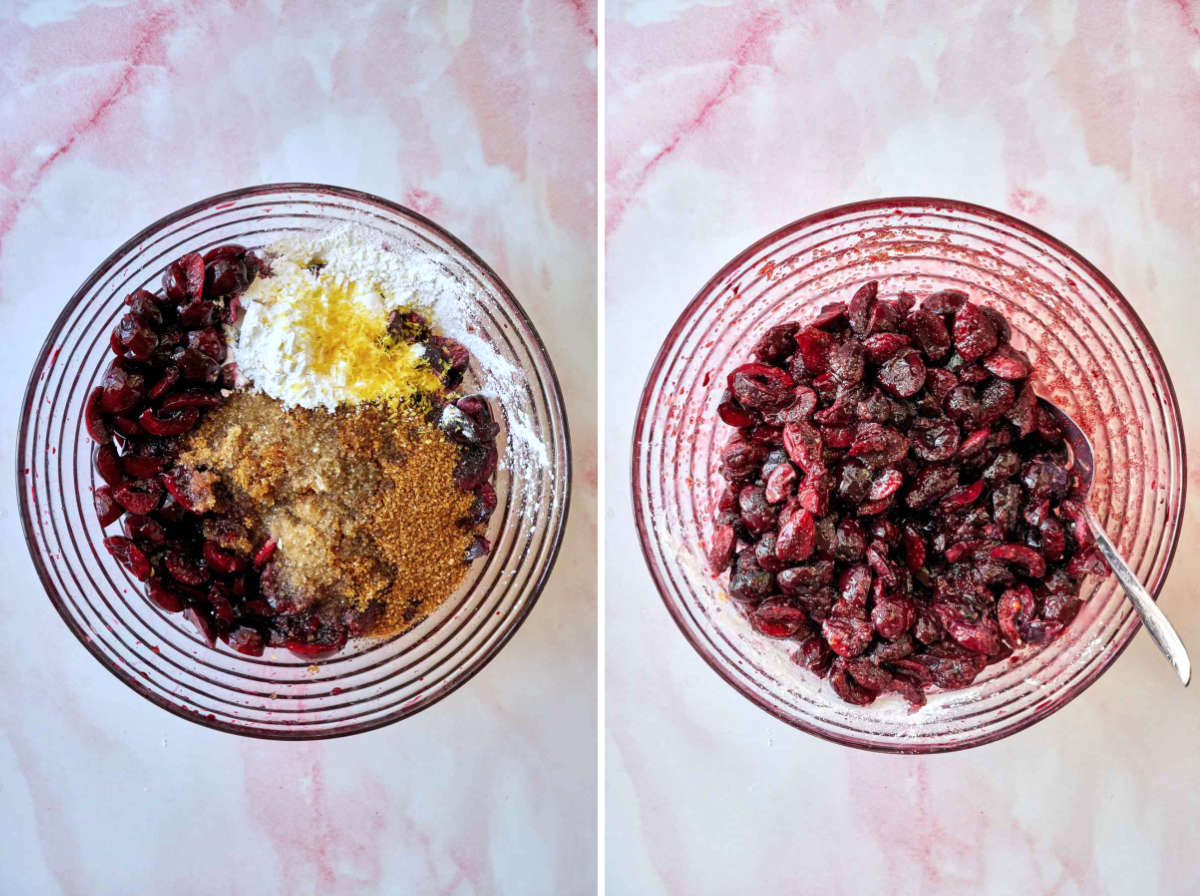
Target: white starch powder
377,279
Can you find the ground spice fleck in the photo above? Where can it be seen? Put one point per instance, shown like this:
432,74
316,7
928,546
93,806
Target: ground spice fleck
361,502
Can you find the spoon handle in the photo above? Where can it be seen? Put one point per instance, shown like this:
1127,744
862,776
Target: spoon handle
1156,623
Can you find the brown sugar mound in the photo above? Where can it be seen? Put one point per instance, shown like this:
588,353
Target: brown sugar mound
361,502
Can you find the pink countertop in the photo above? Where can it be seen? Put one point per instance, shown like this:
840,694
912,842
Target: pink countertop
480,116
727,120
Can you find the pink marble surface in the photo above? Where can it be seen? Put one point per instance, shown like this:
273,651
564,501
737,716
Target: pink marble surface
727,120
480,115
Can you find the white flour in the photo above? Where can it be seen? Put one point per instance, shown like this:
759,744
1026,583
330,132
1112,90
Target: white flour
378,280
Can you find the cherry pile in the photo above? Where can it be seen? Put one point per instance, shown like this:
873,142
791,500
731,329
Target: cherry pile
168,370
898,504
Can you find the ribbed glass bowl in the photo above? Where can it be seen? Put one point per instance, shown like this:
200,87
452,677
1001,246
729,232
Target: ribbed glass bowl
370,683
1094,359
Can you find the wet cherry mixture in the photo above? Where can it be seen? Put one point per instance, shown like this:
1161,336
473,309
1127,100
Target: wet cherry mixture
898,505
168,373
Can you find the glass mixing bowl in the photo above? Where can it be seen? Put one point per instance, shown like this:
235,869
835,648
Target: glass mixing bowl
1094,359
371,682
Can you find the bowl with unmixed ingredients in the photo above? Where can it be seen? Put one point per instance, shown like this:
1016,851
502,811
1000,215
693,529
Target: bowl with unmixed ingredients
1092,357
371,681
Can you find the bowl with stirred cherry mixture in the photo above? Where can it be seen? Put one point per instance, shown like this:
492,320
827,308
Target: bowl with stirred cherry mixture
293,462
854,505
897,501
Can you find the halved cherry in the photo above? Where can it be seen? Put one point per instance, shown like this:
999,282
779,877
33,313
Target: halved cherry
247,640
144,530
132,339
184,569
128,555
172,423
209,341
203,625
1033,562
777,618
123,389
193,272
226,251
140,466
199,314
190,492
170,376
127,427
222,609
484,504
107,509
1008,363
141,496
165,597
108,464
478,547
330,642
223,562
190,398
962,496
143,298
93,418
196,366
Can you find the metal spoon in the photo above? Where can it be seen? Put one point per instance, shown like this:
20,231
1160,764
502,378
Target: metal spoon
1156,623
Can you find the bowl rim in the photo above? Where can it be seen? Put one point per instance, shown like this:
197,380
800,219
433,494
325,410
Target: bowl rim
131,246
928,203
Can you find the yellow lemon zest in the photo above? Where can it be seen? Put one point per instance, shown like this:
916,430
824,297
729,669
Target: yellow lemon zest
347,342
